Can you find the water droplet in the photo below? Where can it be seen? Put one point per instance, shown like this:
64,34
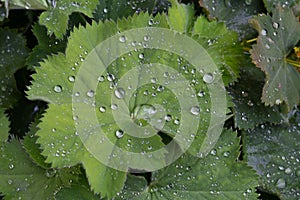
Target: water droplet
275,25
201,94
264,32
102,109
71,78
177,121
278,101
119,133
267,46
213,152
141,56
57,88
90,93
122,38
101,78
120,93
208,78
146,38
288,170
105,10
114,106
244,118
110,77
281,183
11,166
168,118
195,110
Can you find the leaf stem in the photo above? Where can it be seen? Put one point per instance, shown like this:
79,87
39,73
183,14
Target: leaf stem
293,62
251,40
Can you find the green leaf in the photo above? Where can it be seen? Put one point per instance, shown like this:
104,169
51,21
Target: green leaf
277,37
272,4
56,17
249,111
82,193
32,148
234,14
47,45
13,53
28,4
222,45
181,17
4,126
217,176
20,178
274,152
118,9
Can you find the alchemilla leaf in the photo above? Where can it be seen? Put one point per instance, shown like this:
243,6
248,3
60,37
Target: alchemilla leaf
217,176
278,34
22,179
123,89
13,53
4,126
57,16
274,152
272,4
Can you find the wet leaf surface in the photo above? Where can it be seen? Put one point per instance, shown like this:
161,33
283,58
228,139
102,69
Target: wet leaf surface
277,37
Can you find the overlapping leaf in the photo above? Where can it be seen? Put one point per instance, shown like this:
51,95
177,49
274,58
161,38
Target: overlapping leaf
57,16
22,179
274,152
249,111
271,4
234,14
217,176
4,126
277,37
13,53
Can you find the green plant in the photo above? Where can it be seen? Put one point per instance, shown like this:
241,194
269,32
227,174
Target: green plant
82,82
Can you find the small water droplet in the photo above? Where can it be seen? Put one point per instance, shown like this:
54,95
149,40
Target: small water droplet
168,118
208,78
110,77
57,88
141,56
288,170
71,78
275,25
119,133
120,93
102,109
11,166
264,32
146,38
122,38
90,93
278,101
105,10
114,106
101,78
195,110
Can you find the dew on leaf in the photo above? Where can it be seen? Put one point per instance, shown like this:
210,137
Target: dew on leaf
11,166
195,110
101,78
264,32
71,78
288,170
119,93
122,38
114,106
177,121
57,88
105,10
102,109
141,56
275,25
110,77
119,133
168,118
208,78
90,93
281,183
146,38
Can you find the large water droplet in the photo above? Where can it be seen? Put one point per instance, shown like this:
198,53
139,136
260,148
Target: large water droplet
195,110
208,78
122,38
120,93
119,133
281,183
57,88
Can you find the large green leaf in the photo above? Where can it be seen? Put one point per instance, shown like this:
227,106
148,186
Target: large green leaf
217,176
4,126
234,14
137,81
13,53
57,15
277,37
249,111
274,152
81,191
22,179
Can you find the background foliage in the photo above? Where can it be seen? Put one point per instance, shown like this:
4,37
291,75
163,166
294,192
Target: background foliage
256,45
